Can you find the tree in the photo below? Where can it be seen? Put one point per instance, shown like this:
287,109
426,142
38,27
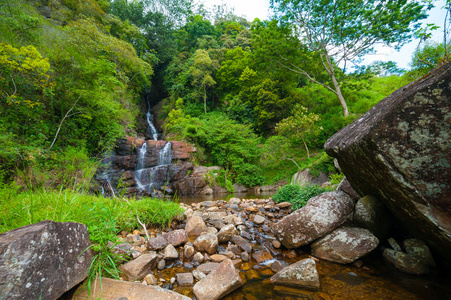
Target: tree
201,72
341,30
300,125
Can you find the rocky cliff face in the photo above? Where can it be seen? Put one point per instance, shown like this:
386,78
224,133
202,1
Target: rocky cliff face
400,152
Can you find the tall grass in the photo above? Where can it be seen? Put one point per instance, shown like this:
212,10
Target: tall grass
105,217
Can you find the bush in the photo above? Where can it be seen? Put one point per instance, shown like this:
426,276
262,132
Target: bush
297,195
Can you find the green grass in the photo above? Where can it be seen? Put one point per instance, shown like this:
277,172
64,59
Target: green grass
105,217
297,195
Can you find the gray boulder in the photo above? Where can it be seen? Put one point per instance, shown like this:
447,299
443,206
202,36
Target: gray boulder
400,152
345,245
318,217
372,214
43,260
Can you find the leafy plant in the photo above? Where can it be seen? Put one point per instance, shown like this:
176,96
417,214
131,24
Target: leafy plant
297,195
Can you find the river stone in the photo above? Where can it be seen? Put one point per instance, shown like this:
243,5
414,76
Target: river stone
242,243
404,262
262,255
219,283
300,274
140,267
208,267
150,279
170,253
372,214
157,243
259,219
321,215
189,251
184,279
44,260
176,237
206,243
218,258
419,250
226,232
400,152
195,226
345,245
110,289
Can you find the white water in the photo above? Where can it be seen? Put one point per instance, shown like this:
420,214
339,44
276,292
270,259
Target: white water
150,123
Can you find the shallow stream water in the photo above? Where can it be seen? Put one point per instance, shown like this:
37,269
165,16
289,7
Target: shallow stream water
374,279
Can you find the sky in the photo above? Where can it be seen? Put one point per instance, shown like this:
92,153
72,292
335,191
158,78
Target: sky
252,9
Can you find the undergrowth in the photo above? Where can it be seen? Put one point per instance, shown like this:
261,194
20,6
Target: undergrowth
297,195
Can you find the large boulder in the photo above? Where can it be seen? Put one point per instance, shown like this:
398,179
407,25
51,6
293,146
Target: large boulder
110,289
220,282
300,274
345,245
43,260
321,215
400,152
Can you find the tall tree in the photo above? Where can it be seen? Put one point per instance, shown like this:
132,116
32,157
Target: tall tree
201,72
342,30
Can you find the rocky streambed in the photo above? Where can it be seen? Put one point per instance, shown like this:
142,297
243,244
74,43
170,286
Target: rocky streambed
232,250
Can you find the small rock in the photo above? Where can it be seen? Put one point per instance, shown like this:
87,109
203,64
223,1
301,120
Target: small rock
234,249
198,274
276,244
161,264
170,252
301,274
150,279
242,243
206,268
176,237
225,234
259,219
206,243
195,226
157,243
394,244
229,254
262,255
198,257
185,279
189,251
245,256
283,205
218,258
276,266
140,267
212,230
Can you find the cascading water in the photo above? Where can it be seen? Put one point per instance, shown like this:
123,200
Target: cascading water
148,179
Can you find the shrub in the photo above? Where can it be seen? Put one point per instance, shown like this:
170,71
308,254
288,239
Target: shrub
297,195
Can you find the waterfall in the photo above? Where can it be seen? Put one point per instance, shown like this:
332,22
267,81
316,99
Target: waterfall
165,156
149,118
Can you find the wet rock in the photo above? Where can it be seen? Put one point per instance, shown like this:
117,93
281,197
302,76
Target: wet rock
229,254
218,258
150,279
208,267
157,243
110,289
219,283
345,245
276,244
245,256
262,255
184,279
189,251
242,243
399,151
198,274
404,262
394,244
226,232
206,243
170,253
234,249
301,274
198,258
259,219
419,250
44,260
318,217
161,264
195,226
276,266
140,267
372,214
176,237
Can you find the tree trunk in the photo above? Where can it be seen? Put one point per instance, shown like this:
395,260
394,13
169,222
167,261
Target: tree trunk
306,148
330,71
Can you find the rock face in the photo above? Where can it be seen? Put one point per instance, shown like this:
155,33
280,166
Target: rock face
301,274
400,152
43,260
345,245
111,289
318,217
220,282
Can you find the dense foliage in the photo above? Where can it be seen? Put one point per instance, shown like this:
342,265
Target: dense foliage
297,195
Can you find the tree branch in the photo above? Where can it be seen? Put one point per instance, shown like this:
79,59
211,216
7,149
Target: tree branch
61,124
